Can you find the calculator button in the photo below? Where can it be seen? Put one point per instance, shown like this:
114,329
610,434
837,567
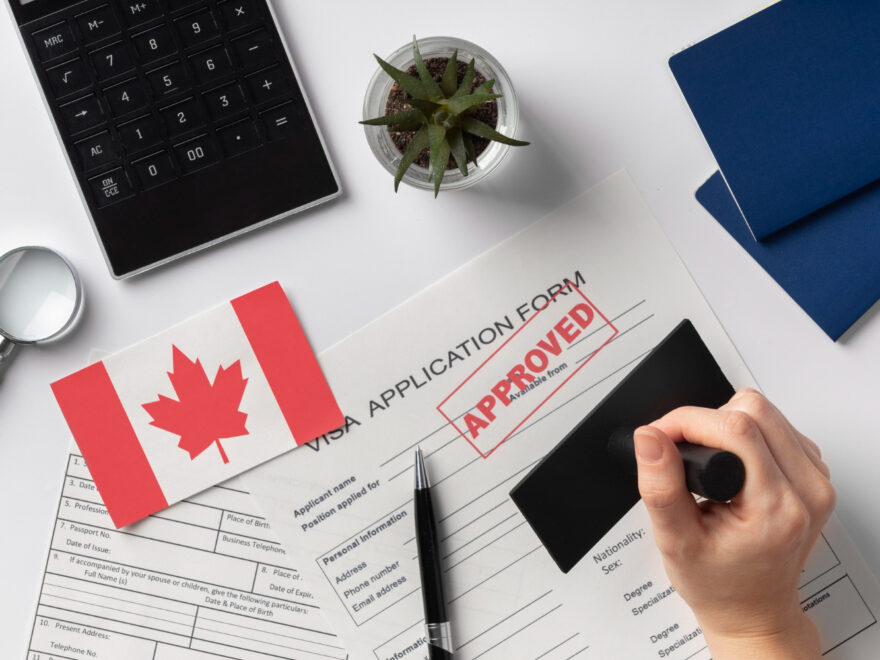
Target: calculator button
196,154
211,64
197,28
225,101
96,151
137,12
182,117
141,133
54,41
254,49
68,78
110,187
268,84
279,121
168,80
240,137
155,170
238,14
98,24
112,61
126,97
82,114
155,44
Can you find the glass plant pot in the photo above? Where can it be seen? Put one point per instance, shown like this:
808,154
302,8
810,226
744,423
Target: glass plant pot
377,96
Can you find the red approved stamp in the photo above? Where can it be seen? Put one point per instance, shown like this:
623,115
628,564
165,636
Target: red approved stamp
523,373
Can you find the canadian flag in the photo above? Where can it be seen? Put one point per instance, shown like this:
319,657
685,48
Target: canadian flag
197,404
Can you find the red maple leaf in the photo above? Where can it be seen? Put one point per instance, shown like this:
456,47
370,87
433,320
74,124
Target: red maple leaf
203,413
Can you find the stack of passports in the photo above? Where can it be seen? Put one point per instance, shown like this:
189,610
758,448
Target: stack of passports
789,102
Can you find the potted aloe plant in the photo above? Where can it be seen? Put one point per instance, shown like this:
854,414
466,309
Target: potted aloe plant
444,120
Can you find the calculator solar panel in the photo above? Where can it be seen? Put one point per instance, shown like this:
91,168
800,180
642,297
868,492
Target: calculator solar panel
183,121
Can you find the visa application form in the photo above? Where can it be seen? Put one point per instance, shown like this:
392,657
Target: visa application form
606,284
203,579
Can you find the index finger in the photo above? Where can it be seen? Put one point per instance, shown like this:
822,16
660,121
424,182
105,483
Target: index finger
735,432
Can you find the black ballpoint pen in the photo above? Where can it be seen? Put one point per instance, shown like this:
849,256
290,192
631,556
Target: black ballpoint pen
437,632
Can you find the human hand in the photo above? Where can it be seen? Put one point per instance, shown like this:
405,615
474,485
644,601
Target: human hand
737,564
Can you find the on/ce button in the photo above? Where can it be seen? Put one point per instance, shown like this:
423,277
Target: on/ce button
110,187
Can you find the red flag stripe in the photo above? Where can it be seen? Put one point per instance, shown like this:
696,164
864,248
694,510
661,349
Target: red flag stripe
288,362
109,444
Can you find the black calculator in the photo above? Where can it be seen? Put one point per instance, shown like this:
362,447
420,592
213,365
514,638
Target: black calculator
183,121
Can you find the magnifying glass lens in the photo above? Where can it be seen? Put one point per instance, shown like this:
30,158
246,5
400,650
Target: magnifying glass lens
38,294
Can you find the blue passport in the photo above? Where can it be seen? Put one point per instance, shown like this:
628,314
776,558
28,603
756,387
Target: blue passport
829,263
789,102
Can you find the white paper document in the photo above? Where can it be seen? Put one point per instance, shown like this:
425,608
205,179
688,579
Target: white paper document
202,579
486,371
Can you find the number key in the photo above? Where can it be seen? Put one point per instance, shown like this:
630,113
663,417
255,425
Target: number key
225,101
167,80
141,133
196,154
155,170
126,97
182,117
211,64
112,61
155,44
197,28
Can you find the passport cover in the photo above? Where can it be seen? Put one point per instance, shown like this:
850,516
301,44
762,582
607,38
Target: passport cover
787,100
829,264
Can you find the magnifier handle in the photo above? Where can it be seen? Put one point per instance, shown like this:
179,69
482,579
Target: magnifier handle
6,347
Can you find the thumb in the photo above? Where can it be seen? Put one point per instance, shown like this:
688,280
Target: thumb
671,506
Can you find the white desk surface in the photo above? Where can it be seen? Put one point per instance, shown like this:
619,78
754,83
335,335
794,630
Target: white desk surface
595,95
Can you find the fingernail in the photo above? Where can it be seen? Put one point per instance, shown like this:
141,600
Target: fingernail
648,447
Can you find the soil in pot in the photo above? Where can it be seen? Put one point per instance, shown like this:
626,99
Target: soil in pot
486,113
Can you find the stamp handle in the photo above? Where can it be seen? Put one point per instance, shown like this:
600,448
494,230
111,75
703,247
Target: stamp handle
715,474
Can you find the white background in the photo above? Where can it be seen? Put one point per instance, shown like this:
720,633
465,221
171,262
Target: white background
595,95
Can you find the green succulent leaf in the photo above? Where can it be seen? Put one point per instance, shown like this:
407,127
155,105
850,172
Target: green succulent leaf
467,83
469,147
399,118
419,142
450,75
439,150
431,86
462,103
456,145
478,128
424,107
486,87
411,85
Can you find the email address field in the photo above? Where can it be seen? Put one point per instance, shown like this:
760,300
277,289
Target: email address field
365,584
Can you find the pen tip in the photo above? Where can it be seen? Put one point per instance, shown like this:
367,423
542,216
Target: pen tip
421,476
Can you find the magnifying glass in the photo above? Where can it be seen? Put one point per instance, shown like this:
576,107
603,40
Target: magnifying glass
40,297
